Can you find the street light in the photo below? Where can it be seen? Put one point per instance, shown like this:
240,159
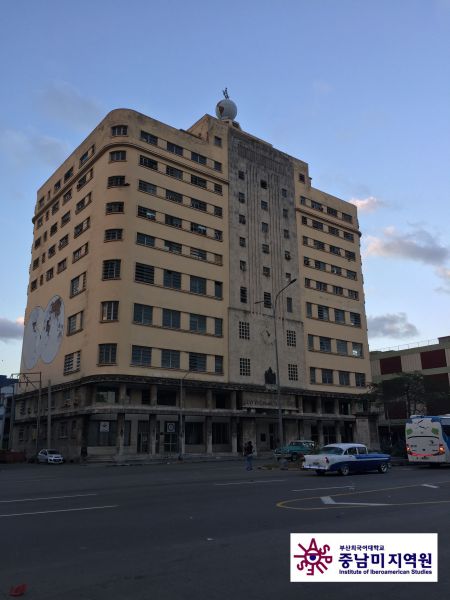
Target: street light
277,374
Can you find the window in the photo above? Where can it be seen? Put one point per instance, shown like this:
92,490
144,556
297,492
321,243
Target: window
172,279
333,230
107,354
111,269
81,227
242,265
81,204
308,309
170,359
119,130
341,347
349,236
172,247
351,274
267,300
310,342
318,264
243,295
141,356
355,319
318,245
335,250
336,270
174,196
347,218
218,188
301,177
146,213
80,252
75,323
339,315
350,255
144,273
218,368
198,253
197,228
286,234
303,200
357,349
241,175
145,240
173,172
149,138
307,282
142,314
265,248
241,197
360,379
55,208
109,310
322,287
78,284
285,213
217,141
242,242
178,150
147,162
291,338
344,378
173,221
244,367
266,271
86,155
244,330
327,376
53,229
197,323
218,211
325,344
195,180
288,305
57,185
116,181
242,219
312,374
218,289
264,205
65,218
218,259
68,174
171,318
199,158
218,327
72,362
292,372
354,295
62,266
338,290
117,155
265,227
147,187
323,313
197,362
198,204
113,235
316,205
317,225
217,166
52,251
198,285
33,285
263,184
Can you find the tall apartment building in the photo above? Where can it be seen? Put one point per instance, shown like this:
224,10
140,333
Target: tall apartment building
158,260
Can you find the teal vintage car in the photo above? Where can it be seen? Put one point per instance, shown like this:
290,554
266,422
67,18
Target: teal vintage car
295,450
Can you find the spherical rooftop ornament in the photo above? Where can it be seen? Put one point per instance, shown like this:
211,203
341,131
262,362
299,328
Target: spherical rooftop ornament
226,109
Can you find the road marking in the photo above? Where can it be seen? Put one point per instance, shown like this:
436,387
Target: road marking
46,498
46,512
251,482
340,487
436,487
341,505
329,500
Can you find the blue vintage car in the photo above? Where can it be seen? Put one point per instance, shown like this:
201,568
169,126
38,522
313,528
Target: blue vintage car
345,459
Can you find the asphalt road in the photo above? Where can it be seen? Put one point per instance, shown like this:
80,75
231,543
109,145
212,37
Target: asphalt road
205,531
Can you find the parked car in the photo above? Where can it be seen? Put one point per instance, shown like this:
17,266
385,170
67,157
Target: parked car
345,459
50,456
295,450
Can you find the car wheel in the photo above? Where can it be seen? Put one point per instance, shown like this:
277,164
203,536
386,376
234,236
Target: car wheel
383,468
344,470
320,472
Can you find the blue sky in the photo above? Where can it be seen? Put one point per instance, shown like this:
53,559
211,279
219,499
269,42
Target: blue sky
359,90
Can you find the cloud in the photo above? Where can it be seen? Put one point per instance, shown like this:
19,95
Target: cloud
367,205
21,148
62,102
418,245
391,326
444,274
11,330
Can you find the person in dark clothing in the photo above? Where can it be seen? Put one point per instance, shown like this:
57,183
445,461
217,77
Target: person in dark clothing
248,455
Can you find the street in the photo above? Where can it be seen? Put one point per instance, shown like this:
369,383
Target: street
201,530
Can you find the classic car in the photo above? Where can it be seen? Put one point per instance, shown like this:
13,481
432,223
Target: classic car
345,459
295,450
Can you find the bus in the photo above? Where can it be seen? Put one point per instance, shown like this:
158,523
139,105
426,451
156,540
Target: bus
428,439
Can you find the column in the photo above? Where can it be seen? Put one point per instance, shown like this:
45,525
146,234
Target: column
152,434
300,404
336,406
249,433
301,430
209,400
338,432
123,394
233,402
234,440
120,433
320,432
133,435
208,422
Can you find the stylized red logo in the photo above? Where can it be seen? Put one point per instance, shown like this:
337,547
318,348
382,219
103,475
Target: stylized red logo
313,558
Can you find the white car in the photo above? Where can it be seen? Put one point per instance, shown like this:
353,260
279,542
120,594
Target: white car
50,456
345,459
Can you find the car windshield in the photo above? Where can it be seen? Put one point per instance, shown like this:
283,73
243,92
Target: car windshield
52,452
331,450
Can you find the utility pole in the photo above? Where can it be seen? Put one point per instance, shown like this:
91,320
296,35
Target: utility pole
49,415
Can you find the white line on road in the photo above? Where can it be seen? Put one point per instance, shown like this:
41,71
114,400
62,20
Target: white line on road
45,512
251,482
46,498
338,487
435,487
329,500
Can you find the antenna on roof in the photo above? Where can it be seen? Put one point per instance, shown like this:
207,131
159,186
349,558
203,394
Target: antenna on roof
225,93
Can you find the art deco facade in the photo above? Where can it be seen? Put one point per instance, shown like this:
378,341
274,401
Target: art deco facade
157,259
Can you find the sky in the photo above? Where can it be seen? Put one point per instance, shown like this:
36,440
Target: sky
358,90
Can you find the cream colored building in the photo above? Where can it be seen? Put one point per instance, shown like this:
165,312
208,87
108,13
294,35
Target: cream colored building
158,256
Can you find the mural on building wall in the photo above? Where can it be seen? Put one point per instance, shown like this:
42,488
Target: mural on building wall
43,333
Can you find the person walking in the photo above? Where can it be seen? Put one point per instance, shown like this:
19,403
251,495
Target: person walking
248,455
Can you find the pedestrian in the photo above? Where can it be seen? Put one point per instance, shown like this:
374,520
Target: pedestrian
248,455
